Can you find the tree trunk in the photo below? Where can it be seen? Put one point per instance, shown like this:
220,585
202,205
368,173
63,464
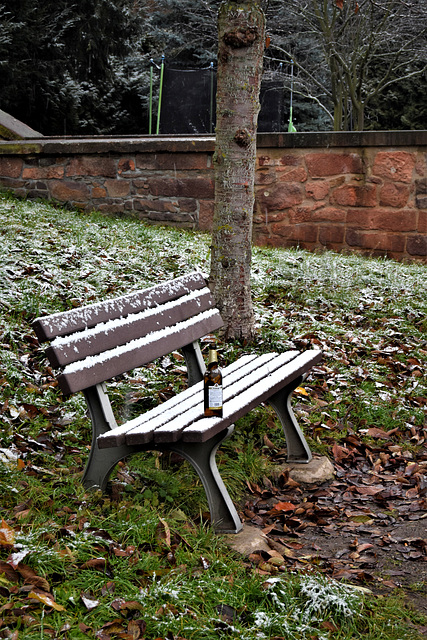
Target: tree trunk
241,36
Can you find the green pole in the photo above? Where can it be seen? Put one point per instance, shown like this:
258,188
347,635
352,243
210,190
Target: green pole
160,94
212,99
150,113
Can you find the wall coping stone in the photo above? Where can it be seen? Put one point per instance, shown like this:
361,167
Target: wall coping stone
13,129
206,143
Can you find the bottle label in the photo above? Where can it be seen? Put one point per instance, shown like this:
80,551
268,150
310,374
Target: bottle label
215,397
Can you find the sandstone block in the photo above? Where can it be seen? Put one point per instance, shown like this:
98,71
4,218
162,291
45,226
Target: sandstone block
265,177
355,196
375,241
383,219
98,192
280,196
43,173
68,190
422,222
331,234
317,190
126,164
297,174
117,188
394,165
296,232
92,166
206,212
332,164
417,245
10,167
158,204
394,194
186,187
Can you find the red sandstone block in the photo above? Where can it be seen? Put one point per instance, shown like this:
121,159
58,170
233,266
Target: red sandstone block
11,167
43,173
187,204
290,160
92,166
168,206
332,164
355,196
329,214
317,190
280,196
298,174
422,222
331,234
206,212
117,188
383,219
186,187
265,177
68,190
126,164
393,194
98,192
184,161
394,165
417,245
376,241
296,232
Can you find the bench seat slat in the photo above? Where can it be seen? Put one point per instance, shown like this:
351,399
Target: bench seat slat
168,427
66,322
250,398
108,335
193,396
95,369
172,431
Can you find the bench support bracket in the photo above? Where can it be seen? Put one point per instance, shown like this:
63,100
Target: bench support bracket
224,517
201,456
298,449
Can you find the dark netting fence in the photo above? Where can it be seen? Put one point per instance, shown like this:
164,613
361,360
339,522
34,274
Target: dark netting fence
188,102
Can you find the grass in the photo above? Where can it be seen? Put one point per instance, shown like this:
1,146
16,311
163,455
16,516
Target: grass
142,562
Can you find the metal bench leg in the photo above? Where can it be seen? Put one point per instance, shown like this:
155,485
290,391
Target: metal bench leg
224,516
194,361
101,461
298,449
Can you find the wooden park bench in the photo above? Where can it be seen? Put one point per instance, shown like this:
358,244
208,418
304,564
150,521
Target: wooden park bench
92,344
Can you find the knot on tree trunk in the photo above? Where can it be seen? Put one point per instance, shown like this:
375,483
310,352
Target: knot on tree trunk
240,37
243,138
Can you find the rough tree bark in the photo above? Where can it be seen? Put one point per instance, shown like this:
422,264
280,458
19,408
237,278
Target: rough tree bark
241,37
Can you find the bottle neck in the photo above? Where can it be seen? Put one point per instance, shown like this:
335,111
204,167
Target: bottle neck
213,359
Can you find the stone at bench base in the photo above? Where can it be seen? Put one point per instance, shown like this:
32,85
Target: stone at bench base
316,471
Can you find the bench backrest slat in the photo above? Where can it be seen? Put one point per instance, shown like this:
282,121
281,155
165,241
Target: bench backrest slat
67,322
96,369
67,349
98,342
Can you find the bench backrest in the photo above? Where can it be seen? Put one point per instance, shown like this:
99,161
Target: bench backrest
97,342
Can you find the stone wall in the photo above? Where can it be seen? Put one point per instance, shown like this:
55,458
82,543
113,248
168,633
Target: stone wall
364,192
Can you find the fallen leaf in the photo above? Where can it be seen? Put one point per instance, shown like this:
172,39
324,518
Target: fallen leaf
47,599
7,534
89,602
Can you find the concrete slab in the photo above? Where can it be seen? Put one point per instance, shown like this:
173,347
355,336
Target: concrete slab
13,129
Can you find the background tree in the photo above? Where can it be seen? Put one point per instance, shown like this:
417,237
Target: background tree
360,48
62,65
241,37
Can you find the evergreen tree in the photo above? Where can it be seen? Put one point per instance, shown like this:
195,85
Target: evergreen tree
62,66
